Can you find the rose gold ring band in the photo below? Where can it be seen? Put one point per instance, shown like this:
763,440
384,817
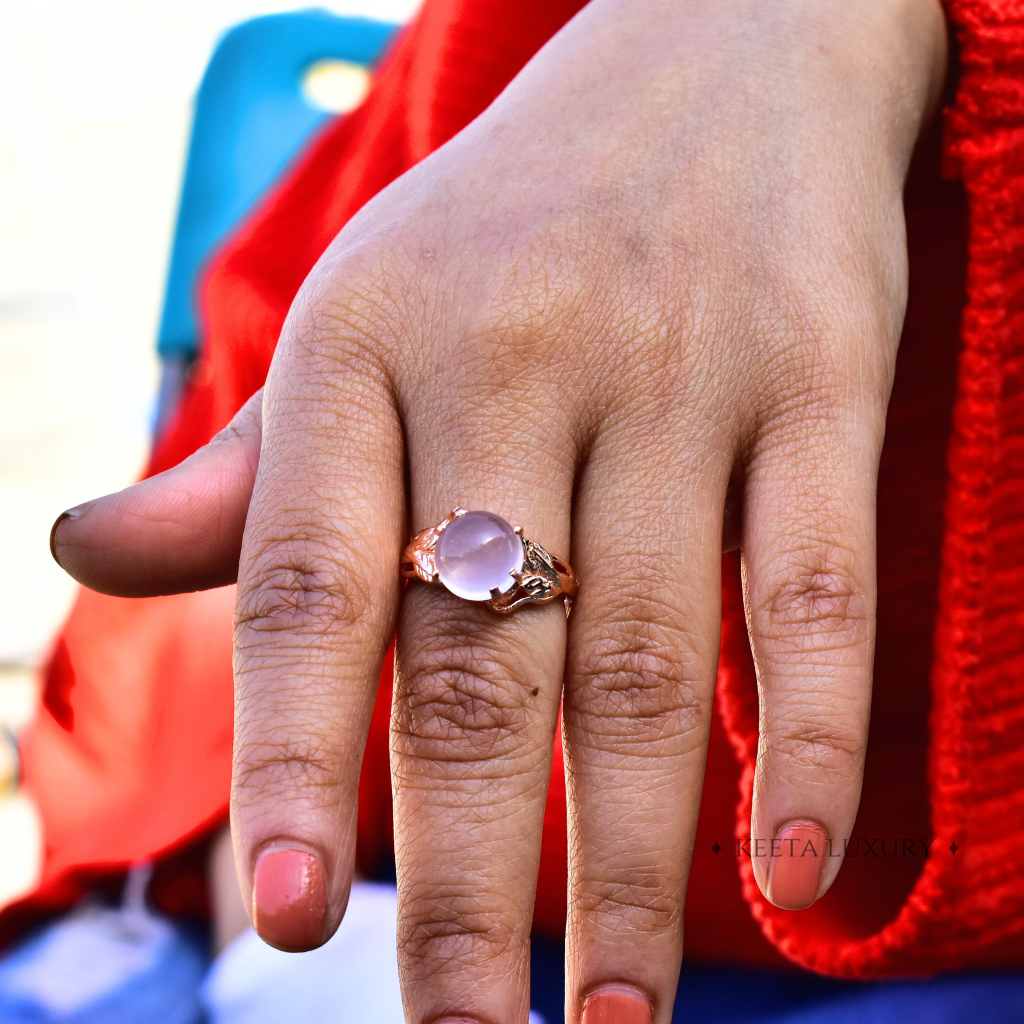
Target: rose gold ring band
542,577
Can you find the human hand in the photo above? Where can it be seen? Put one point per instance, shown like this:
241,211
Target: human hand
670,255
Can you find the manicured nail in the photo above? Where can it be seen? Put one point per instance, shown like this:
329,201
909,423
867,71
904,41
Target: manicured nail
616,1004
71,513
288,899
795,866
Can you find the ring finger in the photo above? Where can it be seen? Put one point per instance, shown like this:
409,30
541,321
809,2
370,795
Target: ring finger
476,705
643,653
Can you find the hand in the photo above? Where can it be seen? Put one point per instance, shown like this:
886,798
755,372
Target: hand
670,255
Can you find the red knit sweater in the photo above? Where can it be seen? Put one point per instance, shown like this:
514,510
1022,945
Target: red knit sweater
132,756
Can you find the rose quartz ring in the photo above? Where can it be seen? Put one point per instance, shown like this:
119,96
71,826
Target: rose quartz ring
480,557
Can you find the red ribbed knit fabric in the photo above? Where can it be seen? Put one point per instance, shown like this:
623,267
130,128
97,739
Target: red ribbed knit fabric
132,756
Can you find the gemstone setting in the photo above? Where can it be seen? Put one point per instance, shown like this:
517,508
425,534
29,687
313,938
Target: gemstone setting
476,554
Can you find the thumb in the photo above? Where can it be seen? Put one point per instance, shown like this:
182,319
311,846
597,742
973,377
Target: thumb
178,531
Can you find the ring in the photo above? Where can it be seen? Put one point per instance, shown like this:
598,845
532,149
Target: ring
479,556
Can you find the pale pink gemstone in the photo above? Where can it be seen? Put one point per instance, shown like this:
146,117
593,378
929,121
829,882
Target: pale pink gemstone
476,554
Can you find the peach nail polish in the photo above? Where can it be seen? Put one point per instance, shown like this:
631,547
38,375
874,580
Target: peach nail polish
288,899
795,866
616,1004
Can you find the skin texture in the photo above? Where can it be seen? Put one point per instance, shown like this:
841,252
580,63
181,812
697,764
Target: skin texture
670,255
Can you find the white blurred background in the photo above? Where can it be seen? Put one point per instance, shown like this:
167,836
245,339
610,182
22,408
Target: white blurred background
95,109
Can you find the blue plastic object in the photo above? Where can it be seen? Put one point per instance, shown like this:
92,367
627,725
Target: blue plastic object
106,966
250,119
716,994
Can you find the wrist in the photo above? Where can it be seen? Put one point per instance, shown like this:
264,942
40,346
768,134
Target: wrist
886,58
894,51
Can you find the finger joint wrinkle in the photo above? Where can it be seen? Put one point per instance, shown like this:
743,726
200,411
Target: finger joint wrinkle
467,708
823,602
300,598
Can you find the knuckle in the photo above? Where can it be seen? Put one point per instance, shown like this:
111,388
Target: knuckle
285,768
643,906
498,357
807,400
453,931
340,341
807,375
638,682
298,591
818,746
459,702
817,605
348,311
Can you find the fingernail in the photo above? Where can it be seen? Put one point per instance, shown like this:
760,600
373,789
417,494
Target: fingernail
71,513
616,1004
795,866
288,899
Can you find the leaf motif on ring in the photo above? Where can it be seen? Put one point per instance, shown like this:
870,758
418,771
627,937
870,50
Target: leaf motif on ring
419,553
538,582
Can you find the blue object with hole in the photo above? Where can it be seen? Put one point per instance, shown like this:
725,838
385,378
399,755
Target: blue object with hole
250,120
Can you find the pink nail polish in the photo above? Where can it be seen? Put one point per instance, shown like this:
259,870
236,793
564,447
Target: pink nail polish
616,1004
288,899
796,864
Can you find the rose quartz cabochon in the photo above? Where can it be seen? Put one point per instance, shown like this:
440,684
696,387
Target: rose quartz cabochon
476,554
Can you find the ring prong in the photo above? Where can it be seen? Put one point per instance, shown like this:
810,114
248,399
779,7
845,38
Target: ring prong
519,532
495,594
436,578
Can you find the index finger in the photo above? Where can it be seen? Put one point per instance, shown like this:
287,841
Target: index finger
317,596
